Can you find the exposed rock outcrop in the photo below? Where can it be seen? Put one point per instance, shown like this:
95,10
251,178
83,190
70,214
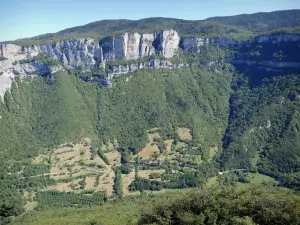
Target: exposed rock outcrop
167,42
193,43
196,42
86,54
14,52
116,71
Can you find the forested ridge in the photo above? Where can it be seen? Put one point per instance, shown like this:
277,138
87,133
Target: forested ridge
239,27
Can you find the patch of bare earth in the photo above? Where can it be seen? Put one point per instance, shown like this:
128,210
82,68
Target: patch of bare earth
70,159
107,182
146,173
114,157
65,187
90,183
184,133
127,179
148,151
150,148
169,144
40,159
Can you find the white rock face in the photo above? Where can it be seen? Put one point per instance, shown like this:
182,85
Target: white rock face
79,53
152,64
146,45
14,52
8,71
84,54
132,46
168,42
5,82
127,46
33,68
11,67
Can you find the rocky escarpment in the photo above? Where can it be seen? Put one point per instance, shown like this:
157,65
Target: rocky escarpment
88,54
84,54
271,53
118,70
194,43
268,65
278,38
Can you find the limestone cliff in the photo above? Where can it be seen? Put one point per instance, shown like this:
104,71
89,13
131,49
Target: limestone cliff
87,54
118,70
84,54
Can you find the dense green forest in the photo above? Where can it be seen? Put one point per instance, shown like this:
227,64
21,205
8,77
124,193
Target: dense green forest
63,108
270,131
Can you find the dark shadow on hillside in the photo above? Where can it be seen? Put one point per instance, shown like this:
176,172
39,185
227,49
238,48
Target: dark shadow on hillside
256,73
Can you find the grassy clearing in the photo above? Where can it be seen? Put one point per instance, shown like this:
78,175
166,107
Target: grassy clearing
150,148
257,178
180,145
127,179
124,212
146,173
75,162
252,178
169,144
71,159
213,151
111,214
255,159
113,156
212,181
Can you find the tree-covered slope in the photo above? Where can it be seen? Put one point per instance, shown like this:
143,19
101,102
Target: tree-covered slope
262,22
263,127
44,112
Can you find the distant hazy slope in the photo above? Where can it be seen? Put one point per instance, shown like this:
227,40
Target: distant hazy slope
262,22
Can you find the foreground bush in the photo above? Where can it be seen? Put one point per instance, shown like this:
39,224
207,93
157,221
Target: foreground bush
256,205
